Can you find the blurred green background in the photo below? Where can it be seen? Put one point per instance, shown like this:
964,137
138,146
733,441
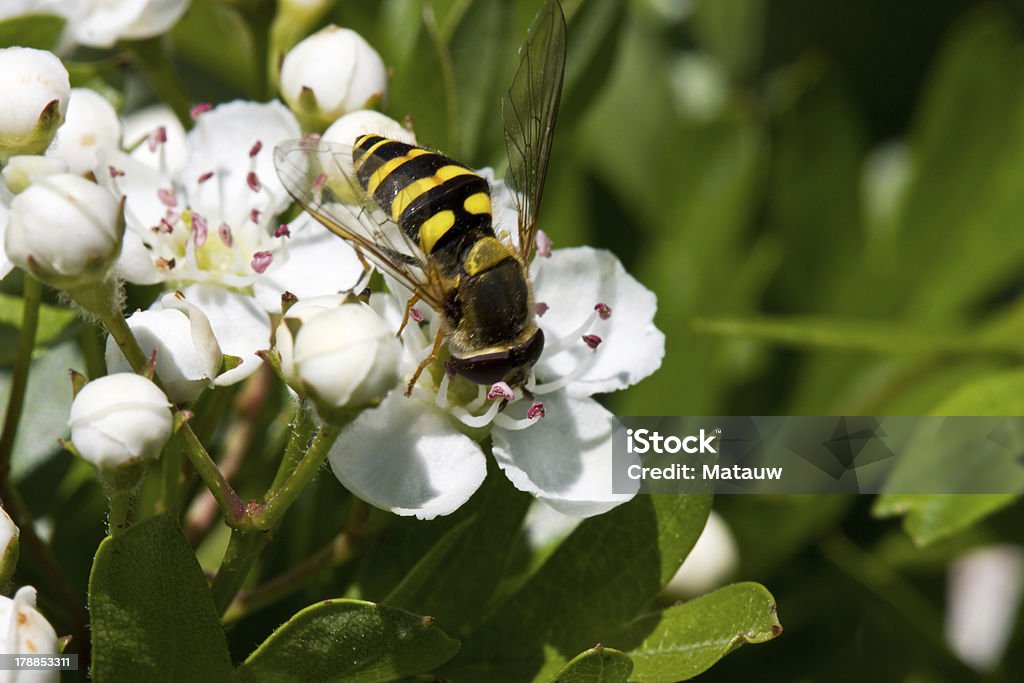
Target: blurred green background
827,198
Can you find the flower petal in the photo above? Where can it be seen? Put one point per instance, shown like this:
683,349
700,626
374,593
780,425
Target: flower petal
565,460
571,282
405,456
312,262
5,263
239,324
170,155
221,142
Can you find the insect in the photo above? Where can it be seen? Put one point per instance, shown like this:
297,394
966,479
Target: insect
426,220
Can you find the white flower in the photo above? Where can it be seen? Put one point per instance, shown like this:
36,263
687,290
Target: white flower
24,631
34,91
330,73
22,170
415,456
155,137
710,563
8,546
210,229
343,357
986,587
101,23
188,357
64,230
90,127
120,419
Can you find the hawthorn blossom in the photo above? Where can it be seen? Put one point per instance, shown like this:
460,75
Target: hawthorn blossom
421,455
211,228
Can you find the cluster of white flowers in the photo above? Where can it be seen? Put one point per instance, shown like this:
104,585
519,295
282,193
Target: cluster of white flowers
199,212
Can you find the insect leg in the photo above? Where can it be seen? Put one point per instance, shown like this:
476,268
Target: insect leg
405,317
438,341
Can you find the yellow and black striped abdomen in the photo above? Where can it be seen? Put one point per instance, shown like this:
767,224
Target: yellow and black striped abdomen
440,204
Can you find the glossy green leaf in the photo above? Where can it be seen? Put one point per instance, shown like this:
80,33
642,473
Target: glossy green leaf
931,516
41,31
351,641
593,584
596,665
686,640
152,614
456,579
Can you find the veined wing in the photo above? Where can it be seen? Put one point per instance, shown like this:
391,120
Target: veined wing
320,176
528,113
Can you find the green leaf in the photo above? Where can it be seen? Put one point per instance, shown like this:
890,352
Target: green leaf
597,665
456,579
41,31
938,460
859,335
590,587
351,641
52,321
683,641
153,618
423,88
215,36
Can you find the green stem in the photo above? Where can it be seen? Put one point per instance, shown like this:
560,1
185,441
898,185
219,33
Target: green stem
173,479
22,364
301,429
281,498
120,506
243,550
340,549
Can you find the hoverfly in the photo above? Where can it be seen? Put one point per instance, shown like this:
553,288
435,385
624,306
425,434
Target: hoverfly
425,219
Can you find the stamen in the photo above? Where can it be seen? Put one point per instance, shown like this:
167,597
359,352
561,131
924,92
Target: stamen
536,410
476,421
224,232
592,340
156,138
563,343
261,260
604,311
416,315
254,216
255,149
206,176
540,308
318,183
165,227
253,181
543,244
199,229
282,231
115,172
500,390
506,422
555,385
198,109
309,142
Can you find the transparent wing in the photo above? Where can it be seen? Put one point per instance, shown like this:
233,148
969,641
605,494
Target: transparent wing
320,176
528,114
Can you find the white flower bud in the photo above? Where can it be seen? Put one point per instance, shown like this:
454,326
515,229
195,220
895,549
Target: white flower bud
22,170
188,356
24,631
8,546
713,559
90,127
343,358
65,230
34,91
330,73
120,420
